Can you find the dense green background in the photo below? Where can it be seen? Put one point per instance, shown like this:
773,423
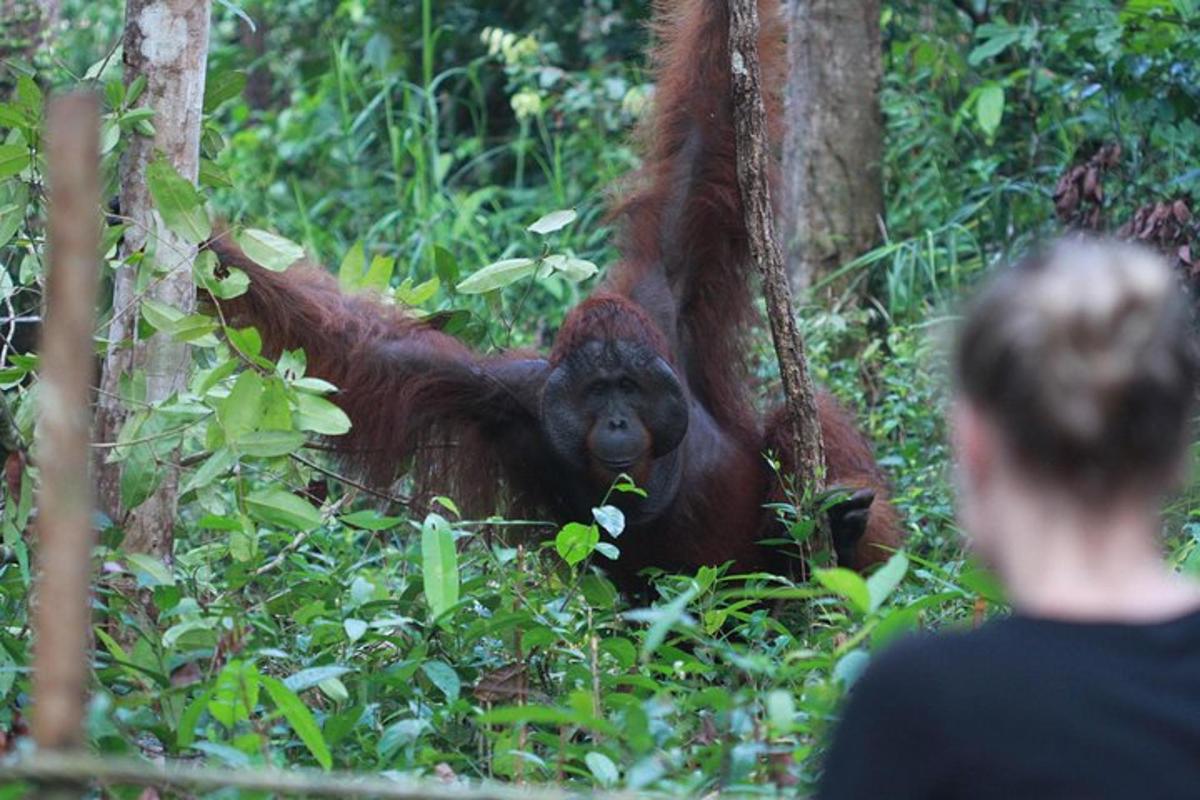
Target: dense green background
433,134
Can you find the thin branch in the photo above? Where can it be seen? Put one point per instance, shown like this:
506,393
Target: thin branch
750,126
112,771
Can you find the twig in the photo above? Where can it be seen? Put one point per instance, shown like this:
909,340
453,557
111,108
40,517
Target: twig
132,772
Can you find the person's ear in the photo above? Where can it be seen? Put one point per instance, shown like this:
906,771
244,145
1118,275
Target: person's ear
973,441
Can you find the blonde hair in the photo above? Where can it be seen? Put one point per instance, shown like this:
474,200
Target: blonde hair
1084,355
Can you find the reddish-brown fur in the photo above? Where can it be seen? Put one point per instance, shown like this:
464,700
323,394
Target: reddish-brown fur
467,425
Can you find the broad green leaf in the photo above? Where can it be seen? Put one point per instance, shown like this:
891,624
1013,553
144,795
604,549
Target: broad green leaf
150,570
269,250
850,666
663,618
555,220
213,467
299,718
318,415
282,509
573,269
355,628
13,159
213,176
186,732
418,295
439,565
308,678
370,520
989,108
996,44
11,217
29,96
379,274
611,518
847,584
576,541
232,282
443,676
160,316
602,768
222,86
883,581
181,206
270,444
240,412
498,275
350,273
445,266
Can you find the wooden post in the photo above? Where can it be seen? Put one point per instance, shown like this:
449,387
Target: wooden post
750,126
61,615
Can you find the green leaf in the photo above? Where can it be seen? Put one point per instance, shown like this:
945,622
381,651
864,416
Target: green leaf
989,108
13,159
355,628
370,520
576,541
350,273
269,250
308,678
998,43
270,444
151,571
213,176
443,676
555,220
379,274
445,265
848,585
222,86
230,283
282,509
240,412
160,316
663,618
11,217
498,275
610,518
181,206
573,269
602,768
883,581
439,565
318,415
185,733
213,467
299,718
417,295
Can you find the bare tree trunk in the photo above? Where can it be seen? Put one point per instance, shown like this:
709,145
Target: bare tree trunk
833,148
750,126
166,42
61,614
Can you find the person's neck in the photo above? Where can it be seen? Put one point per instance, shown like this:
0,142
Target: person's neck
1079,565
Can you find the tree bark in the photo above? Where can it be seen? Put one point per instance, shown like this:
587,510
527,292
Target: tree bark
166,42
833,147
749,117
61,613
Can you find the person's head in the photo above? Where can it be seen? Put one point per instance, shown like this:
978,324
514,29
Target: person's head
1075,374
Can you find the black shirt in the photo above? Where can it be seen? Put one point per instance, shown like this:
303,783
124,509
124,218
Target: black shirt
1026,708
